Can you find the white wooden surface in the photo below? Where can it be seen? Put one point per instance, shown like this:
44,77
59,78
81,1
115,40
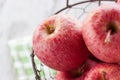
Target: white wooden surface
19,18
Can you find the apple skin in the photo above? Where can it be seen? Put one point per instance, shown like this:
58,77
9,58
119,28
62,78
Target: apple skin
95,29
59,44
104,71
118,1
74,75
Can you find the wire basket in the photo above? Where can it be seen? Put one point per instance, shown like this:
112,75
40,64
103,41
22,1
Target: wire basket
79,9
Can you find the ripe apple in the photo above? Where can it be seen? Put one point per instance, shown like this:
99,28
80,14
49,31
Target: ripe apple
118,1
104,71
77,74
58,43
101,32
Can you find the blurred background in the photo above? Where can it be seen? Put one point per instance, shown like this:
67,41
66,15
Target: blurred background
18,20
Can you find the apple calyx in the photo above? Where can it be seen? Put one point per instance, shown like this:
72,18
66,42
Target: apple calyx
50,29
111,29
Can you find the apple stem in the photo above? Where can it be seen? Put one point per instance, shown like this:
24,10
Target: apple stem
81,69
103,73
107,39
78,72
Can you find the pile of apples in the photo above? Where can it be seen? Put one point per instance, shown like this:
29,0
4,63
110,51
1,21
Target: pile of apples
81,51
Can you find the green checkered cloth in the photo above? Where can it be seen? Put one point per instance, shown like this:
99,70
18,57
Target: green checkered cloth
20,50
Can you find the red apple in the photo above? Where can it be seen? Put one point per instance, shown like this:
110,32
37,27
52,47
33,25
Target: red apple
58,43
77,74
118,1
104,71
101,33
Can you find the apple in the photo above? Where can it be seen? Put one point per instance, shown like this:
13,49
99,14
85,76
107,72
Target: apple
77,74
59,44
101,33
118,1
104,71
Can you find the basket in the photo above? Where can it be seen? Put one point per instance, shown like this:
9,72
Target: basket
79,9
